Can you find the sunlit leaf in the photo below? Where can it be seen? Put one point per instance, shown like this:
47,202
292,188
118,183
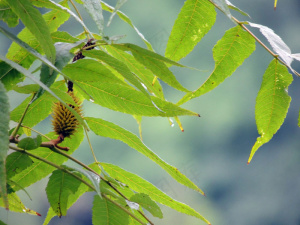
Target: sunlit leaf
147,203
63,36
108,129
272,103
4,137
229,53
16,205
144,74
106,213
34,22
119,66
154,62
194,20
140,185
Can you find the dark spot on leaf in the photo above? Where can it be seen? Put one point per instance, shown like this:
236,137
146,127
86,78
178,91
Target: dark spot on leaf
54,18
238,35
213,83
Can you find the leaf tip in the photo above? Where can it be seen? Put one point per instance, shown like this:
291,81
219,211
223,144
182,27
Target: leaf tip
38,214
198,115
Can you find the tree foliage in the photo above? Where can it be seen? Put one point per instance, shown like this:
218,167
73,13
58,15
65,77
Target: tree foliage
120,76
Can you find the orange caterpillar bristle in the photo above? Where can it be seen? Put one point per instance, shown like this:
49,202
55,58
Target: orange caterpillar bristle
64,122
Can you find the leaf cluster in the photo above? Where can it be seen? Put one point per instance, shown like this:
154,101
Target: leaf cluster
122,77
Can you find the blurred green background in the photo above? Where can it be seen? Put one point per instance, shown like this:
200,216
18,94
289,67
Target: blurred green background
213,150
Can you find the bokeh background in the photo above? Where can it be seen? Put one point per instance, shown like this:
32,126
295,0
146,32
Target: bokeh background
213,150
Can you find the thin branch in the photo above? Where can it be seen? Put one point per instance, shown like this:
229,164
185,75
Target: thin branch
124,209
256,38
15,131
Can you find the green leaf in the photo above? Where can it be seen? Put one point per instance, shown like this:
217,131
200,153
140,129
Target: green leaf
107,129
59,188
71,199
229,53
34,21
94,8
16,162
9,76
194,20
140,185
106,213
125,18
63,36
119,66
7,15
154,62
29,75
38,169
16,205
4,142
96,71
144,74
27,89
29,143
147,203
272,103
45,4
63,57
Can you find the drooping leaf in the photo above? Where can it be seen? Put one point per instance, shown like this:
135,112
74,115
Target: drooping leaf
39,169
231,6
106,213
144,74
107,129
72,198
278,45
16,162
27,89
4,137
125,18
229,53
223,6
194,20
16,205
59,188
275,4
147,203
140,185
154,62
45,4
9,76
272,103
94,8
34,22
7,15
